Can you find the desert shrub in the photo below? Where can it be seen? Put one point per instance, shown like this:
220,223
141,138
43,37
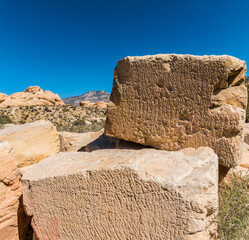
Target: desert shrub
46,109
97,126
4,120
233,218
65,109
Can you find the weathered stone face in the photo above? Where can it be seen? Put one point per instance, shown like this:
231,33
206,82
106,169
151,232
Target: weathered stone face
123,194
10,191
32,142
174,101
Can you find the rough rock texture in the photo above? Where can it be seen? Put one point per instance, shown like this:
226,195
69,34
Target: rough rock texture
32,142
3,97
174,101
123,194
31,96
10,191
70,142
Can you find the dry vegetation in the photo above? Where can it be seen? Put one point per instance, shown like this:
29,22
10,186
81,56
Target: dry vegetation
65,118
233,218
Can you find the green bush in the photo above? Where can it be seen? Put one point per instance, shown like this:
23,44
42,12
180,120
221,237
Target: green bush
233,218
4,120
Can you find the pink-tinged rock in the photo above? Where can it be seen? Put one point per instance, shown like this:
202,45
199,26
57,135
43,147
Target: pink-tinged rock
10,191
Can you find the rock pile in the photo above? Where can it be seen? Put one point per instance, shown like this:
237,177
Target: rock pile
190,109
31,96
98,105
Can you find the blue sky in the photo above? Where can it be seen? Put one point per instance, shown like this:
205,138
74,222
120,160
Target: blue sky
71,47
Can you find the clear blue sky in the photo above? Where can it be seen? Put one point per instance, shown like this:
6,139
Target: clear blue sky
72,46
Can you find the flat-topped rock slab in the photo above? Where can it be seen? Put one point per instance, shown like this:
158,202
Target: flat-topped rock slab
171,102
123,194
32,142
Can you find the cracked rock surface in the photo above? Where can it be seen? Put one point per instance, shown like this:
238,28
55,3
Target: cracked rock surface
123,194
171,102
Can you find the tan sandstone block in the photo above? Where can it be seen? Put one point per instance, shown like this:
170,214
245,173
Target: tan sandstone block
123,194
32,142
175,101
70,142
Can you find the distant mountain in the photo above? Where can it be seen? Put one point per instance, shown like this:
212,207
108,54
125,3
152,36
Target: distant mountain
92,96
247,79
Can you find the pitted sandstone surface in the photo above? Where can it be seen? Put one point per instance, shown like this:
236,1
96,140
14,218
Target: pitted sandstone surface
123,194
171,102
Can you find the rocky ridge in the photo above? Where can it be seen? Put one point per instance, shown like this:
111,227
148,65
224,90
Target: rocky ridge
91,96
31,96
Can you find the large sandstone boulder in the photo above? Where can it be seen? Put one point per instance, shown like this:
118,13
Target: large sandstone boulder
32,142
3,97
123,194
10,191
31,96
174,101
70,142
